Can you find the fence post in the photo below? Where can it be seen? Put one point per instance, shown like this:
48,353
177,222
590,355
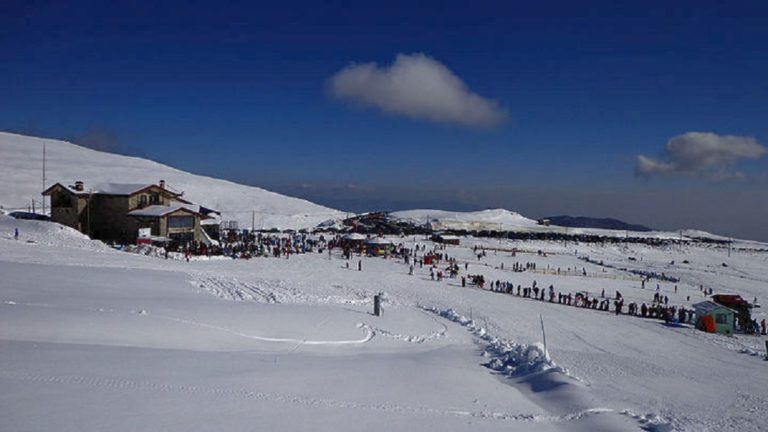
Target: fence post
377,305
544,336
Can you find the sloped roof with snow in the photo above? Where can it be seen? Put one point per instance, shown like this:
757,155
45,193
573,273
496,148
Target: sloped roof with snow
354,236
118,188
708,307
378,241
162,210
112,188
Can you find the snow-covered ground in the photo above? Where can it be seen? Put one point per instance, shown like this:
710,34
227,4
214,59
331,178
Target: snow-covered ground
21,161
96,339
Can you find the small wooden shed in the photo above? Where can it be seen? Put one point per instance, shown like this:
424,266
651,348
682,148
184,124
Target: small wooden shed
714,318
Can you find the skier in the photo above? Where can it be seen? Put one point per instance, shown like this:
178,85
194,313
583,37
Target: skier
359,265
15,233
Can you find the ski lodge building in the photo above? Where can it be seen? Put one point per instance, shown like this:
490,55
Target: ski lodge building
115,211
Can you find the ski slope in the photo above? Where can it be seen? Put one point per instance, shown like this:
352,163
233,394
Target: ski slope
96,339
21,163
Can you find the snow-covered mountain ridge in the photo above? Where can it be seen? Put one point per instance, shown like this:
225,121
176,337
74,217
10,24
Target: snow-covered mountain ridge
21,159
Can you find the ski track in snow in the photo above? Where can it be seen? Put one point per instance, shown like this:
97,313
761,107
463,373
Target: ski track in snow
230,288
508,357
369,334
514,360
124,384
371,330
273,291
418,339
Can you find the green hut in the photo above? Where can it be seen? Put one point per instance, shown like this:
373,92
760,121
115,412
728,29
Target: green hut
714,318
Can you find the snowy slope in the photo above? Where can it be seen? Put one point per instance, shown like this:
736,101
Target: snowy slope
46,233
21,164
96,339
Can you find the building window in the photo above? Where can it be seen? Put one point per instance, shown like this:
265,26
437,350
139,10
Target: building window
61,200
721,319
154,199
181,222
142,200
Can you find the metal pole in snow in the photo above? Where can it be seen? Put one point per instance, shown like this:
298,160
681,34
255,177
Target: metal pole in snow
544,335
44,145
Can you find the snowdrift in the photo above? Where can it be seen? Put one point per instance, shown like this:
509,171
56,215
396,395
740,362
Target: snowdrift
47,233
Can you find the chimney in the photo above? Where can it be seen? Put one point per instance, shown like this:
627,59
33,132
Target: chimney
162,184
79,186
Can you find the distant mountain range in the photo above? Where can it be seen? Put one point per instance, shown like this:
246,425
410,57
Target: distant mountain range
590,222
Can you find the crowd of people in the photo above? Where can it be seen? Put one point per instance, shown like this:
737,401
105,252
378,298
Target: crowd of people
245,245
657,307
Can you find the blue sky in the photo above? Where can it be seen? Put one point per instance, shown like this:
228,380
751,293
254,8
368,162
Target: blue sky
243,91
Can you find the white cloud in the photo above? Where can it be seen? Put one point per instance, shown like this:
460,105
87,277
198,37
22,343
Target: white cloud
416,86
702,152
